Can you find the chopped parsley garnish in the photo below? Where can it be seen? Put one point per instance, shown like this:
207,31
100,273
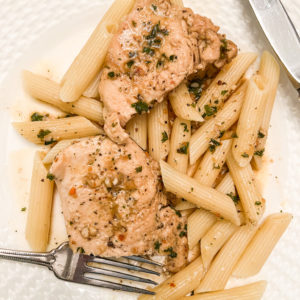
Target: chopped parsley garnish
234,135
213,144
36,117
172,254
173,57
210,110
221,134
245,155
223,48
260,135
43,133
160,63
130,63
111,74
224,92
50,176
178,213
182,234
139,169
259,152
257,203
80,250
148,50
23,209
178,226
216,166
154,7
129,156
235,198
183,149
155,30
164,137
140,106
195,88
157,245
185,127
133,23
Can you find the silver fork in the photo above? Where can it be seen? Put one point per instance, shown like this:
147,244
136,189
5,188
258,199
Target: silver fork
74,267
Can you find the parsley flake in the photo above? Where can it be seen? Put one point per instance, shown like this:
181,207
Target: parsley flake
36,117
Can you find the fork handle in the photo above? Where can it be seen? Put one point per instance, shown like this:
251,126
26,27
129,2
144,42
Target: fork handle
44,259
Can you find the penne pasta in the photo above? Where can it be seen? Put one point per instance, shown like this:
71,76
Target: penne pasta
199,222
137,129
252,201
61,145
214,239
48,132
262,245
192,168
194,253
223,120
88,62
40,206
270,70
222,266
183,204
181,133
212,162
178,3
225,82
249,121
47,91
252,291
179,284
159,131
205,197
183,105
93,89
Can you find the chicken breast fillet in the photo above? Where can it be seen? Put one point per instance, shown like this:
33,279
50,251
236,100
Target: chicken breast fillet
155,49
113,204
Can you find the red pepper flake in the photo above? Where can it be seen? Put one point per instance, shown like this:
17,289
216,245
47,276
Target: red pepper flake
72,192
90,169
121,237
172,284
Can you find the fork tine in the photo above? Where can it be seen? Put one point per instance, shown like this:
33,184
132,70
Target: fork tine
115,286
119,264
143,260
111,273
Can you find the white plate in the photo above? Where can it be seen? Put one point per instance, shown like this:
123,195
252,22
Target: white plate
44,36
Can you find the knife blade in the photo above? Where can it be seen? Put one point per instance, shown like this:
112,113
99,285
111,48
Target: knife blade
281,34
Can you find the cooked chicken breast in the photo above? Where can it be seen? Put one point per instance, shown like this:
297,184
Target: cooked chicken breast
155,49
113,203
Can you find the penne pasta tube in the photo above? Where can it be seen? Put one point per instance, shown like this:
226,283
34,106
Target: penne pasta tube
222,121
179,284
181,133
205,197
270,70
225,82
212,162
61,145
40,206
183,105
48,132
252,201
252,291
222,266
192,168
93,89
199,222
137,129
46,90
159,131
178,3
88,62
249,121
194,253
262,245
214,239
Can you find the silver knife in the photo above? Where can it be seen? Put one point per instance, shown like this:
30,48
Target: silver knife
282,35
